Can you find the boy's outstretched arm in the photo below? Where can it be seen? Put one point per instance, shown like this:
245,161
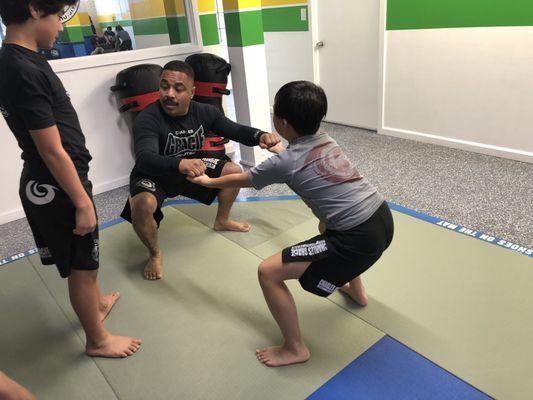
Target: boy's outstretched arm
227,181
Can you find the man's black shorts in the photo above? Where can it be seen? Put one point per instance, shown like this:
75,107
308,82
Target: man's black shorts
165,187
338,257
52,218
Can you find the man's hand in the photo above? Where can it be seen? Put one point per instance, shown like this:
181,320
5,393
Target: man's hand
203,180
85,220
268,140
277,148
192,167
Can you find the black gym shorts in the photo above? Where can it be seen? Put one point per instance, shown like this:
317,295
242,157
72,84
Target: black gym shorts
168,187
338,257
52,218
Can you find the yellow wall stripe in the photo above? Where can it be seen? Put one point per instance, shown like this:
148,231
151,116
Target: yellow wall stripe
147,9
232,5
106,18
207,6
174,7
277,3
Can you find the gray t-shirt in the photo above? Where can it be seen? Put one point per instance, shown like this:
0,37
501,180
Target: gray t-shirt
316,169
123,35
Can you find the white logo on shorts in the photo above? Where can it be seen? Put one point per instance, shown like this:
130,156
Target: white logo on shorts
40,194
96,251
309,249
147,184
326,286
4,112
44,252
211,163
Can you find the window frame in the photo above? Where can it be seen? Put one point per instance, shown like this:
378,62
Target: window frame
102,60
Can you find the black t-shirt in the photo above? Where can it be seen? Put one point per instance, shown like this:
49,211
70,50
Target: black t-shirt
161,141
31,98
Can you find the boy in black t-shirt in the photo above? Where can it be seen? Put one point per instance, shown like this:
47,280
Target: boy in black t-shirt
54,187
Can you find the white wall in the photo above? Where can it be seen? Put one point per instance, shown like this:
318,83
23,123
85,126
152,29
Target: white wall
148,41
108,137
289,57
467,88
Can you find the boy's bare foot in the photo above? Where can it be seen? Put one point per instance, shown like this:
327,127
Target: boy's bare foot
114,347
154,268
230,225
357,292
278,356
106,304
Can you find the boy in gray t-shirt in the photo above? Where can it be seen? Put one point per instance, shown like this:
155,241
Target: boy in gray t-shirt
355,226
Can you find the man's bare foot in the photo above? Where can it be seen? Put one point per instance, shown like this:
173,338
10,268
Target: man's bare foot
278,356
154,268
114,347
230,225
106,304
356,291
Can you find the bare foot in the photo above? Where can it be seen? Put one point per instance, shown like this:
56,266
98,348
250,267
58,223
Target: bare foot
114,347
230,225
278,356
106,304
154,268
357,293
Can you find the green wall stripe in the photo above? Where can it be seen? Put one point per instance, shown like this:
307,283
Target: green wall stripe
209,26
430,14
244,28
285,19
150,26
178,30
87,30
124,22
71,34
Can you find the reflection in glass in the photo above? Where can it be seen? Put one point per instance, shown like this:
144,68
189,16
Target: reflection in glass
108,26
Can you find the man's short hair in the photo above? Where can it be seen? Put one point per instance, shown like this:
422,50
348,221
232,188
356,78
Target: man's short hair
18,11
303,104
180,66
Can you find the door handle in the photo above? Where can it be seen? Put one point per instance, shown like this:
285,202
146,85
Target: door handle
319,44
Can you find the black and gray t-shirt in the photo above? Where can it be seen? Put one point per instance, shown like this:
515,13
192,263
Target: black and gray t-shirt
32,97
318,171
162,141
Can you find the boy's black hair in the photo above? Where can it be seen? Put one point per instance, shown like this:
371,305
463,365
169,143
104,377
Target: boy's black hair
180,66
303,104
18,11
119,28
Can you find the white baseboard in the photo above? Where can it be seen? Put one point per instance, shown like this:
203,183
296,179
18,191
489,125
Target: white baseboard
110,185
12,215
18,213
504,152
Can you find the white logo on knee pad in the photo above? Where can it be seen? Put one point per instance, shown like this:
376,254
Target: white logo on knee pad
40,194
96,251
147,184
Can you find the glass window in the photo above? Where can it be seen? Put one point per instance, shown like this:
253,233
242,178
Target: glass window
109,26
2,32
221,22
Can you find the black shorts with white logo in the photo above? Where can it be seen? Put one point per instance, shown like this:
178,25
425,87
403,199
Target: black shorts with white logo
52,218
338,257
167,187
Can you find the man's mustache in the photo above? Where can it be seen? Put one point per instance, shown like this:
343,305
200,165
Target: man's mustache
170,102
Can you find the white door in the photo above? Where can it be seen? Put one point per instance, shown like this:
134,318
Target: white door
347,43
